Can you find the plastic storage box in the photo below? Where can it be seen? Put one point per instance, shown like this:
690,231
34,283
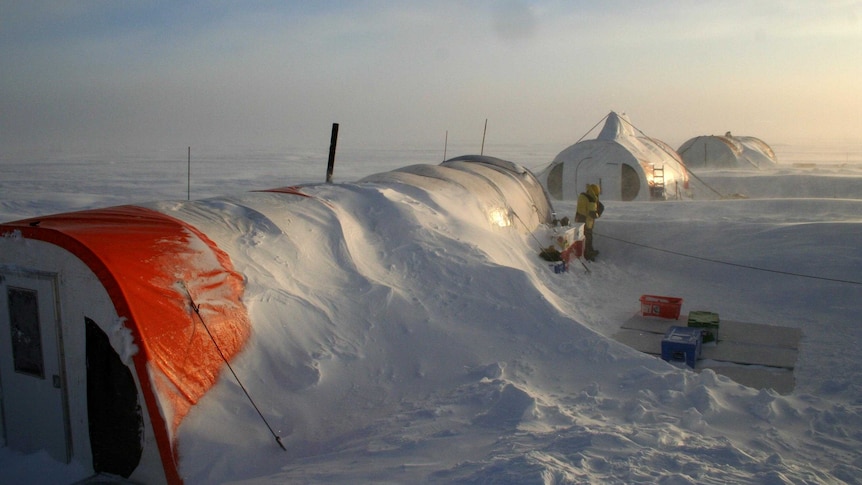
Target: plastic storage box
681,344
575,232
575,250
559,267
660,306
707,322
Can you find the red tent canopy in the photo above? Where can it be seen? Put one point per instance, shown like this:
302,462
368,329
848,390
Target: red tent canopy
154,268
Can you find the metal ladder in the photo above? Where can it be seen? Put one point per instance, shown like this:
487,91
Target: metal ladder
657,188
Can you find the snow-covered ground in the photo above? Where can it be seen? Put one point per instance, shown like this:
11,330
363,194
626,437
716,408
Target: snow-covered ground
438,351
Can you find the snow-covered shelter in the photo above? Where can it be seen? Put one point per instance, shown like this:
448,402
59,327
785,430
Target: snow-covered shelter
115,322
728,151
626,165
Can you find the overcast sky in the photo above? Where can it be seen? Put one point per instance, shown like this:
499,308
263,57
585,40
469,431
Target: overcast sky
255,73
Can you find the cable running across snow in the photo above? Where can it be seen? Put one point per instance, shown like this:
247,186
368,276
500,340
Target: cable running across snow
738,265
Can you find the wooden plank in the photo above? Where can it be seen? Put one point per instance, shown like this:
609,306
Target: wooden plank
752,354
772,335
646,342
781,381
777,377
653,325
729,330
723,351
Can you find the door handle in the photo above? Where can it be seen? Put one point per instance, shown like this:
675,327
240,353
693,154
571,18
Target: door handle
56,381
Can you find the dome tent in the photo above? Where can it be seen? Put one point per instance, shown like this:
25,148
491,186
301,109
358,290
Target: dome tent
627,166
728,151
124,290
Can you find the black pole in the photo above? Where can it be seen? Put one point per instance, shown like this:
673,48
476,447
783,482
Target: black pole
189,176
482,151
332,142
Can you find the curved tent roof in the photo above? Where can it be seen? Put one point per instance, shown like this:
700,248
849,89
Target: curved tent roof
626,165
155,274
728,151
151,265
504,188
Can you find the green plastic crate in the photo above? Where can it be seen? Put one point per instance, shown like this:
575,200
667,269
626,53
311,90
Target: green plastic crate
707,321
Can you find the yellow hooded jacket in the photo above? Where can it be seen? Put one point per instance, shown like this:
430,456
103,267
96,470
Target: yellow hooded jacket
588,206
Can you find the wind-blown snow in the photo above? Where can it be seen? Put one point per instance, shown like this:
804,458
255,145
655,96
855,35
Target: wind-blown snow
421,344
122,341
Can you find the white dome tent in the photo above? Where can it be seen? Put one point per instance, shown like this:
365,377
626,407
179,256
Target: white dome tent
626,165
728,151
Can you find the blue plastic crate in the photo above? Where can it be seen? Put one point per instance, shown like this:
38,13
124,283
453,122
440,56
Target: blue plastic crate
559,267
681,344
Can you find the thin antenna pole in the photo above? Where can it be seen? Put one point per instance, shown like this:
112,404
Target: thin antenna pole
189,176
445,145
482,152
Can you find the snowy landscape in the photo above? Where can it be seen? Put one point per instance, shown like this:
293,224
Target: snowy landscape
442,350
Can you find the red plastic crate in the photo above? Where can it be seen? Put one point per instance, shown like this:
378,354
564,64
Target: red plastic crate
660,306
576,250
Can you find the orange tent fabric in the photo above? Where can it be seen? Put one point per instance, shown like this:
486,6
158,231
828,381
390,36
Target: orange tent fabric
154,267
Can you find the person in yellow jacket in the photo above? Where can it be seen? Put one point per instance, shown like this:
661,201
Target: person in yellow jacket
589,209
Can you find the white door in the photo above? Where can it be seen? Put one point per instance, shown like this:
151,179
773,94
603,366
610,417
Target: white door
35,415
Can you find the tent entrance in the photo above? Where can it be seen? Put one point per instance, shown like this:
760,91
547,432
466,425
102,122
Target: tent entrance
114,414
630,183
32,376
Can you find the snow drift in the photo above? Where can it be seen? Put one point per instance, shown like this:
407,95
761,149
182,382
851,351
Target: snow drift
165,275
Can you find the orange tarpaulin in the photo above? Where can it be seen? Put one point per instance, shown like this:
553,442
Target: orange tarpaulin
151,264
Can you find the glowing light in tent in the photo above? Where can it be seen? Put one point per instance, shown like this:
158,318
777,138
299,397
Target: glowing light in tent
500,217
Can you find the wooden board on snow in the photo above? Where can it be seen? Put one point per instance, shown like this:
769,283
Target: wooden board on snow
753,354
781,381
728,330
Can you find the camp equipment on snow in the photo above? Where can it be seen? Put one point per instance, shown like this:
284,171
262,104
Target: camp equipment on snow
660,306
559,267
681,344
707,322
